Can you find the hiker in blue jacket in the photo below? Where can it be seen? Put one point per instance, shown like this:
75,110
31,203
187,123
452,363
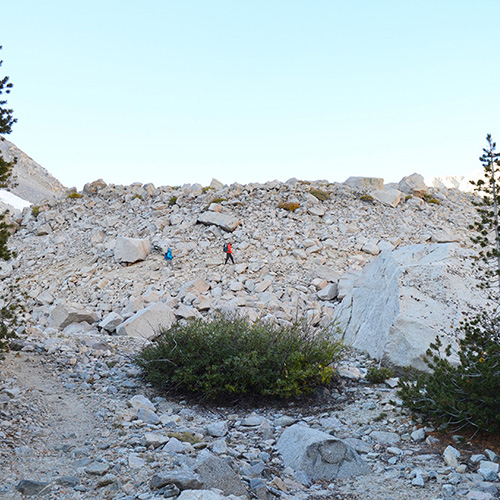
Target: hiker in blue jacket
169,257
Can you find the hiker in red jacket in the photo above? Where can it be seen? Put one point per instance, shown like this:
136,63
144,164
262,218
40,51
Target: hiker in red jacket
229,253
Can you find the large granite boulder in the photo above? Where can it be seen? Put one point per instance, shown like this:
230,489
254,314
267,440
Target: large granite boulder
66,313
215,472
389,197
130,250
226,222
318,454
412,184
147,322
402,300
365,183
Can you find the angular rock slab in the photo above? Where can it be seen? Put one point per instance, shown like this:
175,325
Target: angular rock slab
130,250
225,221
215,472
319,455
390,197
147,323
405,298
371,183
66,313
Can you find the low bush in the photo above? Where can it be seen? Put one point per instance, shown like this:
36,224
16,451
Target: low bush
74,194
320,194
172,201
229,356
290,206
463,395
367,198
35,210
378,375
11,310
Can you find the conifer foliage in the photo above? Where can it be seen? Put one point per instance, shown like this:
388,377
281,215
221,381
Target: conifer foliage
466,394
486,225
9,304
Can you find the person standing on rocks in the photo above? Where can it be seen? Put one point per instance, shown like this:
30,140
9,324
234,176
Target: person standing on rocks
169,258
229,253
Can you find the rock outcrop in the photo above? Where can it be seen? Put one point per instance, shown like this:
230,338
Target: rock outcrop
33,182
405,298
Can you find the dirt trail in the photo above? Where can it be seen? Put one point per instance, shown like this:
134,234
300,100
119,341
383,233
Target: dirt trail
47,427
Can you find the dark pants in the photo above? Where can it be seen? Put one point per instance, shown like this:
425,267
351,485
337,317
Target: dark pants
229,256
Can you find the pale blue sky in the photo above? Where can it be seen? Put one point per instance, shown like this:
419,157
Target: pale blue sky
172,92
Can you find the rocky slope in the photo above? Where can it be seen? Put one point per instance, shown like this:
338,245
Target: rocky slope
77,422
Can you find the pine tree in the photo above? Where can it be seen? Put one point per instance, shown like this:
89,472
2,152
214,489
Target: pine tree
466,395
9,304
486,226
6,121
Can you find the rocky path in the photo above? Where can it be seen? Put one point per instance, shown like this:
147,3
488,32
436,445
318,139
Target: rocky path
76,422
49,421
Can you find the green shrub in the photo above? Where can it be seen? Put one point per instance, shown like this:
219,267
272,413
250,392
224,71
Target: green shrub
291,206
367,197
35,210
74,194
320,194
378,375
466,394
11,310
429,199
218,200
231,356
172,201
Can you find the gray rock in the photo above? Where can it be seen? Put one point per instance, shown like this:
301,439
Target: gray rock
214,472
141,402
217,429
492,456
419,435
205,495
147,323
31,488
148,416
329,292
68,312
384,437
184,480
225,221
412,184
318,454
97,468
389,197
403,299
489,470
365,183
451,456
130,250
111,322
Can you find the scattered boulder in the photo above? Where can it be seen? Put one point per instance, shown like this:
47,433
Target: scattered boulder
147,322
214,472
29,487
389,197
130,250
225,221
365,183
66,313
412,184
318,454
